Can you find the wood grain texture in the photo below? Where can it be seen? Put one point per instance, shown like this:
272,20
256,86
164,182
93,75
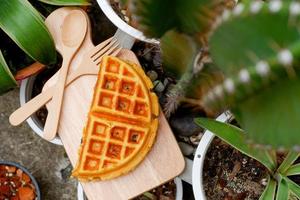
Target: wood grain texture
163,163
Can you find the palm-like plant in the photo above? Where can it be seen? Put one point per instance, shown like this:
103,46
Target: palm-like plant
25,26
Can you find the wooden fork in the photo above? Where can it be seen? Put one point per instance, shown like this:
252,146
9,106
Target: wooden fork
88,66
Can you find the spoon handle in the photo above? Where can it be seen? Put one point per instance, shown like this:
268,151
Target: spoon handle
51,125
30,107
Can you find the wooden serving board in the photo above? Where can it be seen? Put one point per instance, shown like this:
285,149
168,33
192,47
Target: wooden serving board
163,163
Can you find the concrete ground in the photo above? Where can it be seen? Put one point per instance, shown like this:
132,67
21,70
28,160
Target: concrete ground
47,162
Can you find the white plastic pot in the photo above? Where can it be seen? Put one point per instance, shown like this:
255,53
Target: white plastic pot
197,175
178,182
118,22
33,121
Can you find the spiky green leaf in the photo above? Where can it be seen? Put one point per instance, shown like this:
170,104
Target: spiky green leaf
67,2
203,81
7,80
179,51
252,37
237,138
267,107
294,187
272,116
26,27
293,170
288,161
157,17
270,191
282,191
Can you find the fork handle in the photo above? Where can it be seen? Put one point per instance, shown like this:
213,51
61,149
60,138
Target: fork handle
30,107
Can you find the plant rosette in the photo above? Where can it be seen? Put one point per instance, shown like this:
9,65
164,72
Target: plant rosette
282,168
17,183
177,181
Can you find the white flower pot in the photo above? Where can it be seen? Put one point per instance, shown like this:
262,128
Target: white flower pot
197,175
178,182
118,22
33,121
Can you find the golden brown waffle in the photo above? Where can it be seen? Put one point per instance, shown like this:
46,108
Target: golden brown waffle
122,122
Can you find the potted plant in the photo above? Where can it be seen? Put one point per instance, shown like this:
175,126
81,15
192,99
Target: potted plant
281,169
254,44
260,89
19,50
183,30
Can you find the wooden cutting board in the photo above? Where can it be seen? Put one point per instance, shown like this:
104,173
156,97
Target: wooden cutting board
163,163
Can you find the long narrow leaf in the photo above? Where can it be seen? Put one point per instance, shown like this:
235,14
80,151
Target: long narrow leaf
236,138
293,170
294,187
270,191
67,2
288,161
282,191
26,27
7,80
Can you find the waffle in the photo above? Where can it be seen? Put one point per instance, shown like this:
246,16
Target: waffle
122,122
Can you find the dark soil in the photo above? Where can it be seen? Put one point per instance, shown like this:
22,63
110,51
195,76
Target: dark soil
164,192
230,175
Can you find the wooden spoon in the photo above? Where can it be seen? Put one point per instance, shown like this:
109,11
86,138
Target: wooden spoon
74,29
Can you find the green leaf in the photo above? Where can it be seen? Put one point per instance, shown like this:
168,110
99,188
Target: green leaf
267,108
156,17
67,2
282,191
197,15
26,27
288,161
294,187
272,116
270,191
293,170
252,37
237,138
203,81
179,52
7,80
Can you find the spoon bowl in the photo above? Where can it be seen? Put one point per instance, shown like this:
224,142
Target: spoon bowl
74,27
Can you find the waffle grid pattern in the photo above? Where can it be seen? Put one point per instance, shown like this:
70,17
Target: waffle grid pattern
108,145
121,127
119,92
